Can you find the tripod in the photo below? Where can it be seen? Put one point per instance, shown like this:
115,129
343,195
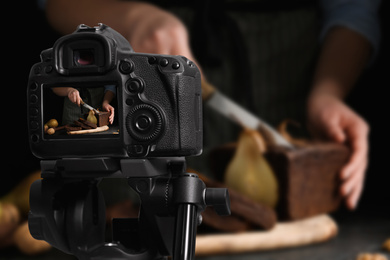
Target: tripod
68,210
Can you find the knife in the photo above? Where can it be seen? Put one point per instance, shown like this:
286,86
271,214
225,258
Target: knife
228,108
89,107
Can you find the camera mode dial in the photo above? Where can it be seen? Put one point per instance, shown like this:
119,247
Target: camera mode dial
144,123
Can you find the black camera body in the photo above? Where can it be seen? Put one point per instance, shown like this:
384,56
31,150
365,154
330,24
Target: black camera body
158,110
157,122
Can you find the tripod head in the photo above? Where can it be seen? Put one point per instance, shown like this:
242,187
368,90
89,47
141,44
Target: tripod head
68,211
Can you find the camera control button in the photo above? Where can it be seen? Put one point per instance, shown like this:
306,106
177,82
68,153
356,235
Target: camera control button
34,125
33,99
48,69
143,122
126,67
134,85
136,149
152,60
164,62
33,86
129,101
34,111
37,69
175,65
34,138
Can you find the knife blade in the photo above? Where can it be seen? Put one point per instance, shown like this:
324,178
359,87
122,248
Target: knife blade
236,113
89,107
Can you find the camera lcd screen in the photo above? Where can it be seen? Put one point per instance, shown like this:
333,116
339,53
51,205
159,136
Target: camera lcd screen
75,111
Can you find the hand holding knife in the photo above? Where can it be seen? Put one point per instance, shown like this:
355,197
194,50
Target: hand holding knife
88,107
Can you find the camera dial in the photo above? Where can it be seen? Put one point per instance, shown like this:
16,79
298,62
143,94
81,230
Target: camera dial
144,123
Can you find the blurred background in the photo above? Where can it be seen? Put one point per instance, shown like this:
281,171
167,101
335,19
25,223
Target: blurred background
26,32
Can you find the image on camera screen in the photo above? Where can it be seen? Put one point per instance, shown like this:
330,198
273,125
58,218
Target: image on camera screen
80,111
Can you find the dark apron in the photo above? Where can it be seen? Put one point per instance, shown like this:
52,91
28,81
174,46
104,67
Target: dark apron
263,60
260,57
91,96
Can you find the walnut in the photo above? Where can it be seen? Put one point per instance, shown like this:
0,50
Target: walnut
369,256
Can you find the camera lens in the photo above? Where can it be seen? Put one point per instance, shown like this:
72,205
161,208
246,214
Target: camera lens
84,57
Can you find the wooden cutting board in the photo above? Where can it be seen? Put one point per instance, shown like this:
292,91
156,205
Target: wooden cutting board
289,234
89,131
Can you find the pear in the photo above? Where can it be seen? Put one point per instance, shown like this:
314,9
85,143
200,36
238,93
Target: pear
26,243
20,194
283,130
91,117
249,172
52,123
9,221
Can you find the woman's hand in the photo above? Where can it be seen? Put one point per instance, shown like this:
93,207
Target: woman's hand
107,107
331,119
74,96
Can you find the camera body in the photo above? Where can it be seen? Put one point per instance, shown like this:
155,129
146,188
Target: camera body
158,109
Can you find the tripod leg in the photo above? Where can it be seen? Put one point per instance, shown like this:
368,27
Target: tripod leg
186,222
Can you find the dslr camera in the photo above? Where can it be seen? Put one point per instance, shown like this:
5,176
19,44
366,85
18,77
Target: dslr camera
96,110
157,102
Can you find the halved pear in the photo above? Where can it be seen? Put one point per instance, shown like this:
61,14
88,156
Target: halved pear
249,172
91,117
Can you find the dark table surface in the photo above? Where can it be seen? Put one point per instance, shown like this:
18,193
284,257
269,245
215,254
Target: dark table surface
358,233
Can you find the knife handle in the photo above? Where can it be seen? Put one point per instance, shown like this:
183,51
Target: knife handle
207,89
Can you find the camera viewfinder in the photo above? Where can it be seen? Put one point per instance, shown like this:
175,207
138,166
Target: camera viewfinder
84,57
